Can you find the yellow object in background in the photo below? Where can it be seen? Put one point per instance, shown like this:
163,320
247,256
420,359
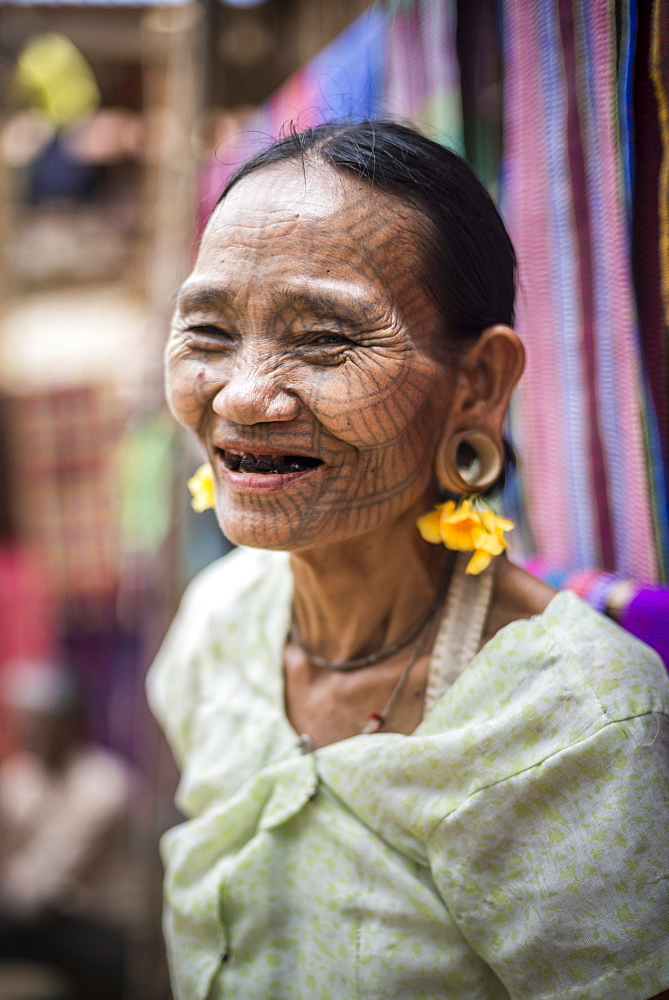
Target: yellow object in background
54,72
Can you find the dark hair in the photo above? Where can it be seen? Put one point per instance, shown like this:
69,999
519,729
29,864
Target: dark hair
469,260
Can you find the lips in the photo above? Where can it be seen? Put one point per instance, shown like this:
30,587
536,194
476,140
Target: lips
268,465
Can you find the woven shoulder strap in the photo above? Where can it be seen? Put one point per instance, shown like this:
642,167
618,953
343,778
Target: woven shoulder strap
460,629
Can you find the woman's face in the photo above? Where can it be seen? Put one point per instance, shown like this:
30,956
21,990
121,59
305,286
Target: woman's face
309,360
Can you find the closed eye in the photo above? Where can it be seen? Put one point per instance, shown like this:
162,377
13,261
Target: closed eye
206,328
208,336
327,339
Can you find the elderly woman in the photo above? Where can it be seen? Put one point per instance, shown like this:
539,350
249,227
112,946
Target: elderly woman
403,779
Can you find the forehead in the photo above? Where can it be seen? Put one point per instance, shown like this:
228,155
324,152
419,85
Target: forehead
314,218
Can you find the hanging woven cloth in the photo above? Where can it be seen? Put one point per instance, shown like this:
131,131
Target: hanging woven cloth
581,416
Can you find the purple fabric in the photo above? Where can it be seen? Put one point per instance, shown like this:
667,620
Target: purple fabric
598,594
647,617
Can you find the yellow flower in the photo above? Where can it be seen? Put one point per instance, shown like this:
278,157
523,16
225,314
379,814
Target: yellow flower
429,524
460,526
201,486
479,561
465,529
496,526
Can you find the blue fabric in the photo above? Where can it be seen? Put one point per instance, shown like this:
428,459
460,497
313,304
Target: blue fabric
349,72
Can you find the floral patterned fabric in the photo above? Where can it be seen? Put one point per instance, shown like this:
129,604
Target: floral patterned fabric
515,845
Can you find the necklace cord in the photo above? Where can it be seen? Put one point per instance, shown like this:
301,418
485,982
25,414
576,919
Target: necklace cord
377,720
383,654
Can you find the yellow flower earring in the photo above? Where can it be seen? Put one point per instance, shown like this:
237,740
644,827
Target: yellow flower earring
470,464
201,486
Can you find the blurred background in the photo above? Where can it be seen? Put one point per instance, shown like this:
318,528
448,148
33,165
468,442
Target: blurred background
119,124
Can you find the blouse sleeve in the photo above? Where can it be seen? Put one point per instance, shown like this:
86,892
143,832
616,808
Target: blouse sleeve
558,876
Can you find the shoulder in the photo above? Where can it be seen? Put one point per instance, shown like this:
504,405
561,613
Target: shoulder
536,632
548,685
239,586
569,647
242,575
626,676
222,613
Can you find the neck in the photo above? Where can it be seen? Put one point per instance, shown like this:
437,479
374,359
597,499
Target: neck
356,597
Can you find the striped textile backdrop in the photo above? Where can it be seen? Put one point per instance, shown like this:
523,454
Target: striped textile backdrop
589,421
583,419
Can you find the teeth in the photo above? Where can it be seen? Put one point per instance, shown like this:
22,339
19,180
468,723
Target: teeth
269,465
247,464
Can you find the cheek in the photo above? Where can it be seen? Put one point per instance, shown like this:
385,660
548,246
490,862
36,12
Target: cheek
188,387
374,406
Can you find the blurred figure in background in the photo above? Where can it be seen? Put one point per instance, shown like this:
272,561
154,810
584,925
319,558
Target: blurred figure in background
77,196
69,893
57,81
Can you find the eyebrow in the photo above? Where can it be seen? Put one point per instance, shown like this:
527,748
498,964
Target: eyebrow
317,302
206,297
212,297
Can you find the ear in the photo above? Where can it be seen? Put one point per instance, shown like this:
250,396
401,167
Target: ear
487,375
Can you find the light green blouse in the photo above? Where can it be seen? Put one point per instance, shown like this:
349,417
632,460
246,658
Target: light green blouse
515,845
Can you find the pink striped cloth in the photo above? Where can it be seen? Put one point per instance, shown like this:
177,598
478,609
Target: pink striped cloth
579,417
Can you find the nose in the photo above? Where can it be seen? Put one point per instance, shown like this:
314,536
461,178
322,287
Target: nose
253,394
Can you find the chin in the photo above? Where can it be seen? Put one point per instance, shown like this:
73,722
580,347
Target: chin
257,532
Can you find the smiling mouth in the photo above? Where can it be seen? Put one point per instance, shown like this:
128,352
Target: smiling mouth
269,465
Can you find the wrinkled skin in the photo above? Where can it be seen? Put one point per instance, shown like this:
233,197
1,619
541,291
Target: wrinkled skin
303,328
